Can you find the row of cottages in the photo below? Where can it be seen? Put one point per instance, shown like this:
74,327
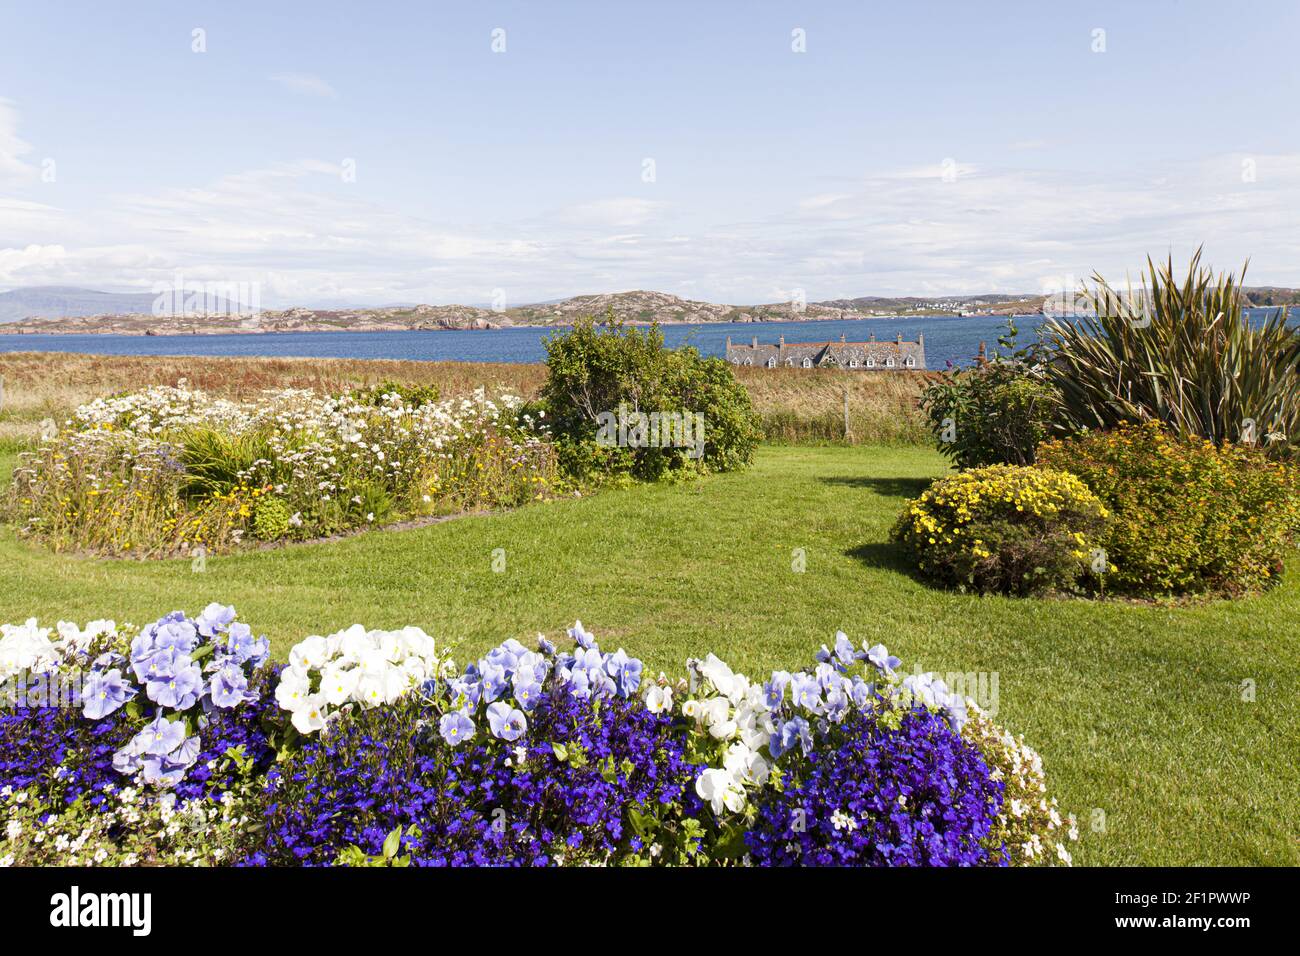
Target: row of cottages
866,356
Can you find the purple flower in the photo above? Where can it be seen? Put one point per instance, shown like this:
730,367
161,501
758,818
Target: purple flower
916,795
230,687
581,637
506,722
104,693
243,647
844,652
775,689
214,619
807,693
492,682
527,693
174,631
160,737
793,731
456,728
626,672
156,663
883,660
181,689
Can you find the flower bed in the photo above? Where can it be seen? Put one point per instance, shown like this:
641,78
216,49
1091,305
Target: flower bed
180,743
170,470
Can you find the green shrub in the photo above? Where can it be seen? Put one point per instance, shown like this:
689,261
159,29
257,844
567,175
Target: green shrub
992,414
619,403
411,395
1183,353
1189,517
272,519
1010,529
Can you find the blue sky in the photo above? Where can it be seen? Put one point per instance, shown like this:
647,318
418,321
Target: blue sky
913,148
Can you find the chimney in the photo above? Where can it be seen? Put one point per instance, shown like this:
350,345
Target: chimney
728,341
873,337
780,342
920,339
841,336
900,338
756,341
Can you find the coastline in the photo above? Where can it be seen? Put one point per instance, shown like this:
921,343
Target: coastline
19,329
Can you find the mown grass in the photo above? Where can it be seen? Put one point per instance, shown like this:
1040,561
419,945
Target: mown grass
1137,709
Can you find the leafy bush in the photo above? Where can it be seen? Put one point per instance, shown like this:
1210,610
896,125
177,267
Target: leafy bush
1189,517
1004,528
407,394
618,402
1181,353
992,414
272,519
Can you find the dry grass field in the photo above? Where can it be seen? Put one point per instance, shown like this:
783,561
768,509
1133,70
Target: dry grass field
796,406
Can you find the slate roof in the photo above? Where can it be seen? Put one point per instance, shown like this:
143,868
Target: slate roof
849,355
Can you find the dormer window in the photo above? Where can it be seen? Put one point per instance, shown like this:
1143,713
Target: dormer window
853,363
910,362
807,363
889,362
871,363
749,361
771,363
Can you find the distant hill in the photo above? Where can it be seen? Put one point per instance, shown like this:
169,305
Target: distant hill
56,301
66,310
990,303
59,302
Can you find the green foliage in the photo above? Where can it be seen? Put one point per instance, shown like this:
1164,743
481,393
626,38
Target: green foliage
1189,517
410,394
272,518
993,414
217,462
602,378
1004,528
1184,354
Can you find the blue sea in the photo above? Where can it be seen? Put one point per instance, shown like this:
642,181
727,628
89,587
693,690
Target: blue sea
947,339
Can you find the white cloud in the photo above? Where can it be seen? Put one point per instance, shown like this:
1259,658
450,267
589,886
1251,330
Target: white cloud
305,84
309,237
13,168
618,213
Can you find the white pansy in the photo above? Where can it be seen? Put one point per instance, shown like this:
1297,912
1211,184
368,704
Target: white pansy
26,647
720,789
354,666
310,716
659,699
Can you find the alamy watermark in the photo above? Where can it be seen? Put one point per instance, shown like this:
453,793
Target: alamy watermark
186,298
636,429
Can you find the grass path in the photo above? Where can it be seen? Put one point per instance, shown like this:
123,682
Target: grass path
1137,710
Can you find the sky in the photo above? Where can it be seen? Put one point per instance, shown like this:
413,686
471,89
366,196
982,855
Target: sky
739,152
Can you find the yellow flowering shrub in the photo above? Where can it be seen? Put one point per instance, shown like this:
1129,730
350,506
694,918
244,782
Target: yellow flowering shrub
1013,529
1190,517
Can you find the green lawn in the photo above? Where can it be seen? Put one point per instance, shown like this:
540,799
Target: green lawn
1137,710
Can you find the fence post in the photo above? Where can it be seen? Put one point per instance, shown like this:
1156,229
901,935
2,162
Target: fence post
847,435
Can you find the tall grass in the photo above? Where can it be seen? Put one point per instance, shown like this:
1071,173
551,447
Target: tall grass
1183,353
797,406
